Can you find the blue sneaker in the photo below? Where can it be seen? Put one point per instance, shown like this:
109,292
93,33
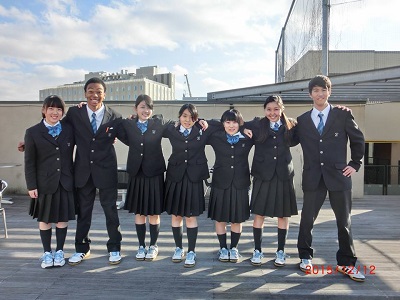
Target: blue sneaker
59,259
280,258
47,260
234,255
257,257
190,261
114,258
223,255
151,253
141,253
178,255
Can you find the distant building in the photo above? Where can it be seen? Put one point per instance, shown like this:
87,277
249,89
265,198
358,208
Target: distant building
122,86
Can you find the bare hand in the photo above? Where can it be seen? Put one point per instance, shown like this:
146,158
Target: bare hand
33,193
248,132
21,146
348,171
203,124
342,107
81,104
132,116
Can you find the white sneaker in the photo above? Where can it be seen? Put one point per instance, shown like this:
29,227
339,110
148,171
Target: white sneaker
190,261
178,255
141,253
114,258
77,258
223,255
59,259
151,253
352,272
306,265
257,257
47,260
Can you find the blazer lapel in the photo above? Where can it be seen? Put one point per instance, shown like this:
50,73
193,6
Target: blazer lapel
85,119
329,120
310,123
46,135
107,115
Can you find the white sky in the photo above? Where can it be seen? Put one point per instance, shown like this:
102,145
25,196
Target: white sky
220,44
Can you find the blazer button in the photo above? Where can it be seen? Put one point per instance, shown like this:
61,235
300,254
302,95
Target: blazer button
141,154
141,144
58,170
57,148
58,158
274,147
274,137
320,141
321,152
91,161
185,150
93,139
322,164
185,161
232,146
232,156
92,150
274,157
186,142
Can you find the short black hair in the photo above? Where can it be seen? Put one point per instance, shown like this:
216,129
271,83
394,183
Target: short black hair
94,80
53,101
232,115
192,110
321,81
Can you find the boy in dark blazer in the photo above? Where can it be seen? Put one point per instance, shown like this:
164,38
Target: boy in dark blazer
95,127
324,133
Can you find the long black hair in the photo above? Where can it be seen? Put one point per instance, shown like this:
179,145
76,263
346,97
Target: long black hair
286,122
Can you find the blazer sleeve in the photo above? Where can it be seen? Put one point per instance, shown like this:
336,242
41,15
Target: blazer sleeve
30,161
357,142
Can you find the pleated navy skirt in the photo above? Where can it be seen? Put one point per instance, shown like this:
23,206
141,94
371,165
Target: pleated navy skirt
53,208
185,198
229,205
145,195
274,198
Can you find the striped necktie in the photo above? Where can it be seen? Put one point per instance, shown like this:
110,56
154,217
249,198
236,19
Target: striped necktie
93,123
320,126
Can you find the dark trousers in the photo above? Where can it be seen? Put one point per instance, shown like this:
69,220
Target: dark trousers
341,205
108,197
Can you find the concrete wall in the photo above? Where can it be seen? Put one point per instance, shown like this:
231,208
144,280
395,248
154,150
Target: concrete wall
15,118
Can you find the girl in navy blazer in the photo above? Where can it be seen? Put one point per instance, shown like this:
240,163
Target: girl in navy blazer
229,197
273,192
187,169
49,177
146,167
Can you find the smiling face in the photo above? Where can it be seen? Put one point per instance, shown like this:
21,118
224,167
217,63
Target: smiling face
52,114
273,111
320,96
186,119
143,111
95,95
231,127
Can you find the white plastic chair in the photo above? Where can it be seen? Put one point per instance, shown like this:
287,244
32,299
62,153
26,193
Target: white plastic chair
3,185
